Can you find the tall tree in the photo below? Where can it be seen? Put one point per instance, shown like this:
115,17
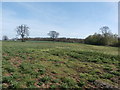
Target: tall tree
105,31
106,34
53,34
5,38
23,30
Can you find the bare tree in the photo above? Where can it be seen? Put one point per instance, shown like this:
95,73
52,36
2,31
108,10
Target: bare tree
5,38
108,37
53,34
23,30
105,31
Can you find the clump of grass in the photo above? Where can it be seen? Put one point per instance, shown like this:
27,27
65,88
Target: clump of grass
53,86
95,71
68,81
53,60
81,83
64,85
23,57
40,83
106,76
30,83
16,75
91,79
41,71
83,75
57,64
107,68
6,57
26,68
14,84
10,69
115,73
54,72
55,81
45,79
7,79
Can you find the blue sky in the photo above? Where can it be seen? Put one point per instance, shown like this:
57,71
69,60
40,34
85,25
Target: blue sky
70,19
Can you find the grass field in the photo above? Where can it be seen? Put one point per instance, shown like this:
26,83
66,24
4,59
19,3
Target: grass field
59,65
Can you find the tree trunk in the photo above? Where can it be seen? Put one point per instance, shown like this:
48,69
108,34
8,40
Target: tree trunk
23,38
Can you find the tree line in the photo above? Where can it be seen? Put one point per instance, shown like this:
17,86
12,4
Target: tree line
106,37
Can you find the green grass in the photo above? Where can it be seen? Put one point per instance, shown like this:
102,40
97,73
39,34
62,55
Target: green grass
36,64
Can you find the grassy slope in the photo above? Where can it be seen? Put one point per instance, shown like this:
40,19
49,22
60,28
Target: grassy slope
57,64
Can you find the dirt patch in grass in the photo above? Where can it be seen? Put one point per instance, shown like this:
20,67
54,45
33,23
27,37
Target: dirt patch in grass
7,74
16,61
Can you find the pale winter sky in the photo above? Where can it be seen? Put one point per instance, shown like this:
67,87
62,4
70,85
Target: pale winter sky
70,19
